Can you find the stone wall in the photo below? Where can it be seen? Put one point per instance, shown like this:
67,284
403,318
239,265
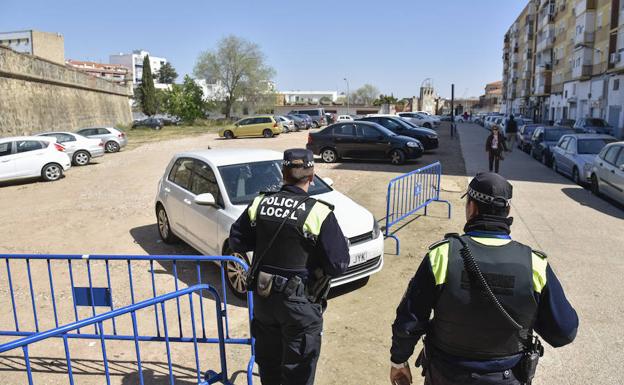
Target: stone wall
39,95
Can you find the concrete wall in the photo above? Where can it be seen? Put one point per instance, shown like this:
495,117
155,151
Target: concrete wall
50,46
39,95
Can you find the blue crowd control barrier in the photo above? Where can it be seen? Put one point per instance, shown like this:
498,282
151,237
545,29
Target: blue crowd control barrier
411,192
103,278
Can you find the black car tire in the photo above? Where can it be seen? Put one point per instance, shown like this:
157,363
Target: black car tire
228,134
164,228
427,125
81,158
595,186
267,133
555,167
329,155
111,146
52,172
235,274
397,157
575,176
315,125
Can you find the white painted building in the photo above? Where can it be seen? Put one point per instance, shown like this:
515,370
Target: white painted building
311,97
134,61
212,91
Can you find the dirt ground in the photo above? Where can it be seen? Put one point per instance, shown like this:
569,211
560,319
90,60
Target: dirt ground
107,208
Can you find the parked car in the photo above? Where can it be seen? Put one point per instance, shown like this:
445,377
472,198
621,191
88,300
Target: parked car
544,139
150,122
524,135
306,118
316,114
32,156
565,122
607,175
593,125
202,193
263,125
345,118
363,140
300,123
420,119
574,154
114,139
288,125
399,126
80,149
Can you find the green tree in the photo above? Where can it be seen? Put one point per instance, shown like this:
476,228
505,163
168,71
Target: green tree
325,100
238,65
385,99
147,93
186,101
167,74
365,95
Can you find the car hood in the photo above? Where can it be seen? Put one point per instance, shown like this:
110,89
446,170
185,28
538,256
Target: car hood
424,131
353,219
585,158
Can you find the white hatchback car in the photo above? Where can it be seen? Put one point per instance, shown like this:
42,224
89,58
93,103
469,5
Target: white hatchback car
421,119
32,156
80,149
202,193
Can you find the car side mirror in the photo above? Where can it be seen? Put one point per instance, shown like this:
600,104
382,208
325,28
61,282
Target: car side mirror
328,181
206,199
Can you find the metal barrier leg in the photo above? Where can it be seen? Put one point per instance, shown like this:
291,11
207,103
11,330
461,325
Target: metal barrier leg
398,243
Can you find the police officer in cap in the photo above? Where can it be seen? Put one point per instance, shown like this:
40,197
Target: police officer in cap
298,246
488,294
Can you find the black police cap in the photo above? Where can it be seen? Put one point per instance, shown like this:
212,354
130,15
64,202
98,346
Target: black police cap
298,158
491,189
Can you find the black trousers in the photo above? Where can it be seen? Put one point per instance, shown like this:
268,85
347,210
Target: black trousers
441,373
494,161
288,338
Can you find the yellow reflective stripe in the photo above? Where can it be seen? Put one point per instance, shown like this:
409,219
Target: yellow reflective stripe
315,219
539,272
438,258
491,241
253,209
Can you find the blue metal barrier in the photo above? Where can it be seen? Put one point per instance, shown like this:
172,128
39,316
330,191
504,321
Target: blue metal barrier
103,274
411,192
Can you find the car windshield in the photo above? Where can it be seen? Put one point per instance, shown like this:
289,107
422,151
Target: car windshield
592,146
596,123
243,182
555,135
528,130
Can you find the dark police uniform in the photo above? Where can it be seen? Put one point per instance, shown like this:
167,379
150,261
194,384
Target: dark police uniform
287,325
469,341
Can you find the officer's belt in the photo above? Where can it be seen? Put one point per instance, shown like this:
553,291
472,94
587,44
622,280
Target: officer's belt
274,283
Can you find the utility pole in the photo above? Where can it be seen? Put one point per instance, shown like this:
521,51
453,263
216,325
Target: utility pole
348,106
452,110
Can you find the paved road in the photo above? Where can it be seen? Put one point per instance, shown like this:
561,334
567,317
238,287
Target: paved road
583,237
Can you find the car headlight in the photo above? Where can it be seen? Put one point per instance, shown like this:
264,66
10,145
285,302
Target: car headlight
376,229
432,136
413,144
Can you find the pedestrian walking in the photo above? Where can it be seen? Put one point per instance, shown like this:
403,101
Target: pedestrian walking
511,129
488,294
298,246
494,146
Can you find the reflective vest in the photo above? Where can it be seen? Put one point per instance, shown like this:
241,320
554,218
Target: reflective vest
466,322
295,243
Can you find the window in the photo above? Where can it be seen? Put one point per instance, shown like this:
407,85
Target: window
592,146
616,85
5,148
204,180
612,154
564,142
88,132
620,160
29,145
391,124
63,138
245,122
368,132
344,130
102,131
181,172
572,145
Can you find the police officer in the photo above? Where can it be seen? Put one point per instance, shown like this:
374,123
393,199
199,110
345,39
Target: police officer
470,340
298,245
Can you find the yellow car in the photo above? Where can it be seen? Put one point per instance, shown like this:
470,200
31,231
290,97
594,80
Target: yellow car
262,125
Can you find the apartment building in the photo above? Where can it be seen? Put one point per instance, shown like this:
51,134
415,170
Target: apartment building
576,64
134,61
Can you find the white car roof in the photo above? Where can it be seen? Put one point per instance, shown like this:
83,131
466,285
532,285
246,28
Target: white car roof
224,157
14,138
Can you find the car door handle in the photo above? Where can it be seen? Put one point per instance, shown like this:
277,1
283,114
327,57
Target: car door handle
187,201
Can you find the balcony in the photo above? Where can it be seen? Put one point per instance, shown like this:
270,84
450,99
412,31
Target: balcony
582,71
515,58
584,6
543,83
585,38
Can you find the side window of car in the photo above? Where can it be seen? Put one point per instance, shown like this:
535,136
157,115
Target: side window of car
181,173
102,131
343,130
391,124
563,144
612,154
572,145
204,180
620,160
28,145
5,148
367,132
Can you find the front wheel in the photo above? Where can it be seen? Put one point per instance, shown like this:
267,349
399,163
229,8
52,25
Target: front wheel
267,133
329,155
575,176
81,158
52,172
397,157
315,125
595,186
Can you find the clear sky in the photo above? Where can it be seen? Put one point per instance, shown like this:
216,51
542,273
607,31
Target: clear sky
312,45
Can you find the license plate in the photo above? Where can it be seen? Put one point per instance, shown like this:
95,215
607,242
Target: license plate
356,259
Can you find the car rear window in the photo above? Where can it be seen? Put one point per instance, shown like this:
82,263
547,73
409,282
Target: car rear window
555,135
30,145
596,123
592,146
5,148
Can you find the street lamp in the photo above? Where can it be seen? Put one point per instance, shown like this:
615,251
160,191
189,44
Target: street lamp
348,107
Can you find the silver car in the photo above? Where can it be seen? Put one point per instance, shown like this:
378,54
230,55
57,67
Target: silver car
114,139
574,154
607,176
80,149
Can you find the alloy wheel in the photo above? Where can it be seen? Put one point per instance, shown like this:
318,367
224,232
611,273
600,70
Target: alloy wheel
236,276
163,224
329,156
81,158
52,172
112,146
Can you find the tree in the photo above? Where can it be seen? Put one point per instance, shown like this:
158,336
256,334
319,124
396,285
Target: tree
186,101
385,99
365,95
147,92
167,74
325,100
238,65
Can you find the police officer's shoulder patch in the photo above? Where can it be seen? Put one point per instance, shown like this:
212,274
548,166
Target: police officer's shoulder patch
331,207
540,254
434,246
